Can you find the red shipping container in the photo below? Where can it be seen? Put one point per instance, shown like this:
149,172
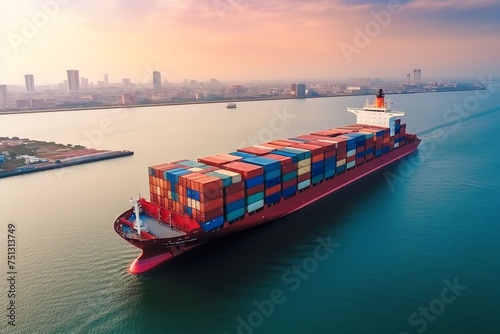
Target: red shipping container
341,155
273,190
289,183
281,158
304,177
289,168
211,205
235,196
230,157
273,146
329,154
212,194
318,157
213,161
360,160
329,146
254,150
369,156
235,187
206,216
351,158
360,149
246,170
402,130
280,143
315,149
255,189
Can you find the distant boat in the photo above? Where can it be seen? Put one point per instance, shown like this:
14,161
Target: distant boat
231,105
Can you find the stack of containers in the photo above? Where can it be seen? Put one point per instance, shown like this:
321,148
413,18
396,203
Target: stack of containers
397,130
272,177
378,134
360,147
341,161
330,148
233,193
402,134
370,144
253,177
204,200
351,151
303,157
288,173
317,161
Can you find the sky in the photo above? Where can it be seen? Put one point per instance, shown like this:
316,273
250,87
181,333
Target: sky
242,40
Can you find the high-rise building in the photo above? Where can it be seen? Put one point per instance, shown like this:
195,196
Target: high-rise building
126,83
3,96
419,75
106,80
415,78
408,77
156,80
301,90
29,79
73,81
293,89
84,83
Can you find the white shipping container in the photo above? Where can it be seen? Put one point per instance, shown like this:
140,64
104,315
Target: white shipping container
304,184
351,153
254,206
195,169
341,162
235,177
351,164
305,162
304,170
396,145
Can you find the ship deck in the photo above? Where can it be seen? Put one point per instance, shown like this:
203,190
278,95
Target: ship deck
160,230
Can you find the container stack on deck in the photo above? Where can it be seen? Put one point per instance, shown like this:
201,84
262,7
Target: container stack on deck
226,187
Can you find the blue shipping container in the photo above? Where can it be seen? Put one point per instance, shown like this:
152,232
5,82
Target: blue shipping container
289,191
294,156
289,176
341,169
329,172
255,197
273,182
317,178
273,174
243,154
235,205
255,181
212,224
235,214
266,163
378,153
273,198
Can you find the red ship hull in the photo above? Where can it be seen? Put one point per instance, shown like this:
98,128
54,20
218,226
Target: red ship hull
157,251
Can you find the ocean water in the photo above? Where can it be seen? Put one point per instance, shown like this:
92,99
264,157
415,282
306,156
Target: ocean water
410,249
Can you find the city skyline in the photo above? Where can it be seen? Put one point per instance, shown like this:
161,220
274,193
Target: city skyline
238,40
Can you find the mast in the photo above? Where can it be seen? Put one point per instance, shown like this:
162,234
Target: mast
137,212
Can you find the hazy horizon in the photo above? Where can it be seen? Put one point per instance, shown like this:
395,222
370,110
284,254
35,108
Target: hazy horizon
237,40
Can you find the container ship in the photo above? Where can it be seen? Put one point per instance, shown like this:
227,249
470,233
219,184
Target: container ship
192,202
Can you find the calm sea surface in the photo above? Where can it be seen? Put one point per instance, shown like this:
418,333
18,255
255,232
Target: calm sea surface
411,249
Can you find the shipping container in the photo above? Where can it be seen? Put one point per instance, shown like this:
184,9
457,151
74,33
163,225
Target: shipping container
246,170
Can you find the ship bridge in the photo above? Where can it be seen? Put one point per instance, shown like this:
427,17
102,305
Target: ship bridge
378,113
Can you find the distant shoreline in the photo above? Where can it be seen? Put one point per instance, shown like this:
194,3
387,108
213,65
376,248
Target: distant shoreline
256,99
78,160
